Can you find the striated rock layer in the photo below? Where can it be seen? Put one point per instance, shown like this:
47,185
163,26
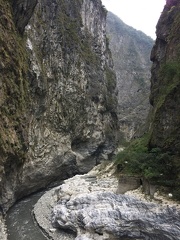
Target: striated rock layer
58,96
104,215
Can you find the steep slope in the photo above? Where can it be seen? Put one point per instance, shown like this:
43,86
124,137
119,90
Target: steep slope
14,103
130,52
165,81
74,112
58,102
165,86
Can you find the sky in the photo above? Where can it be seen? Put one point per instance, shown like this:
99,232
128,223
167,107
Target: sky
140,14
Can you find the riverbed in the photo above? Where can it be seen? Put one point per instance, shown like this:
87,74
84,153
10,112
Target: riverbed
22,225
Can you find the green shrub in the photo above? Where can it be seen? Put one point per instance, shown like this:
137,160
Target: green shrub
153,164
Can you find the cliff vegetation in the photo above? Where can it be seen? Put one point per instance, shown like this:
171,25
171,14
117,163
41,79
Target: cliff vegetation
14,99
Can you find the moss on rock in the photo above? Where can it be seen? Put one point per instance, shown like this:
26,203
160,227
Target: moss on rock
13,87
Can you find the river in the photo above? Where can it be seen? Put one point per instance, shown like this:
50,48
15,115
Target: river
21,224
20,221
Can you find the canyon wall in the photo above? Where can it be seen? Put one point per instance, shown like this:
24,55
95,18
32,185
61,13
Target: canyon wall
131,56
165,89
58,93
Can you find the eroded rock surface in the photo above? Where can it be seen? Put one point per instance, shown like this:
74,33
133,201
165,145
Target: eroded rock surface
23,11
104,215
89,206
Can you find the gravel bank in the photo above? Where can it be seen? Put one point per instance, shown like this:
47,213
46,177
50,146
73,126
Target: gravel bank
42,213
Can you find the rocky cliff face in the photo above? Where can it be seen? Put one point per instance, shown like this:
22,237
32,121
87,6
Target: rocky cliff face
58,102
165,85
130,51
22,12
14,102
165,90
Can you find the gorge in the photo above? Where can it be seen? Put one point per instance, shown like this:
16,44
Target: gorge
60,108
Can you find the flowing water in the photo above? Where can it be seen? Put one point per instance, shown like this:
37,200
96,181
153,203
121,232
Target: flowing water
20,221
21,224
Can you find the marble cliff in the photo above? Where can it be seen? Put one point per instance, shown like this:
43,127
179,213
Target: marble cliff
57,93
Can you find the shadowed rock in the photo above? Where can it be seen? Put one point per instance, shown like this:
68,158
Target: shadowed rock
23,10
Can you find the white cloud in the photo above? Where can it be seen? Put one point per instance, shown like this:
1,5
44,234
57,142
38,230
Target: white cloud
140,14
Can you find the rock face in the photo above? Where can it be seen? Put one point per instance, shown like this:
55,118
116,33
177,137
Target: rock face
165,86
58,105
127,183
130,51
23,11
14,102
